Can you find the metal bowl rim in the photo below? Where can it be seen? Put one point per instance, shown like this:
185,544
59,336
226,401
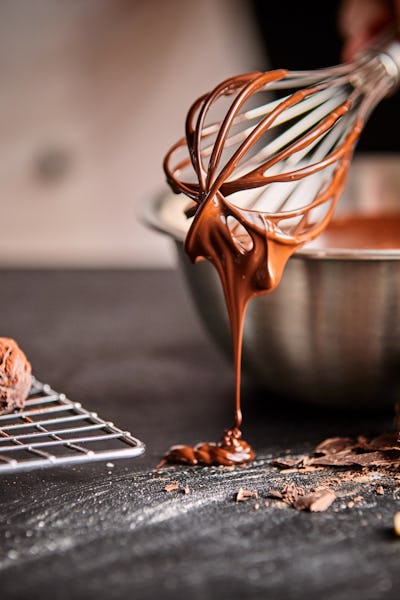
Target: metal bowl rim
150,216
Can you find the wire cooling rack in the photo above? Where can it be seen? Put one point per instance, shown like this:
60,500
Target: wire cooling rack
52,430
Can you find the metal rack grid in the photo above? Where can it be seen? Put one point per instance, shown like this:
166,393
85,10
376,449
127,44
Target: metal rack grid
52,430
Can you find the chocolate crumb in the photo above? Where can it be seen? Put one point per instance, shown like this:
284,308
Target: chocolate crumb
334,481
379,490
244,495
171,487
291,493
186,489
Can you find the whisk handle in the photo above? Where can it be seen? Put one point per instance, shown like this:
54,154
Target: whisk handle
389,56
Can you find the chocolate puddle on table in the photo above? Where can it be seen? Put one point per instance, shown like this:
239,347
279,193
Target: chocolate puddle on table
249,248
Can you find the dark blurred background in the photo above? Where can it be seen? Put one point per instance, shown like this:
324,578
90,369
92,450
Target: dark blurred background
304,35
94,92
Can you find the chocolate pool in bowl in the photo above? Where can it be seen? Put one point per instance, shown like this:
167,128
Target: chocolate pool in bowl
330,332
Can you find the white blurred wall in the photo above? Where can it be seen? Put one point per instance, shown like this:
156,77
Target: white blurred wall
93,94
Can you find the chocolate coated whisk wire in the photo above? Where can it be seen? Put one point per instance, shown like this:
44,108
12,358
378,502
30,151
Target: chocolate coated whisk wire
291,154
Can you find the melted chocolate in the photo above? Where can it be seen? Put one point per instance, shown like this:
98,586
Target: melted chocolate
248,248
372,232
231,450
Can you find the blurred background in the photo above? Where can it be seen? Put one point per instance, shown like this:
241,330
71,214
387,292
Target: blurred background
95,91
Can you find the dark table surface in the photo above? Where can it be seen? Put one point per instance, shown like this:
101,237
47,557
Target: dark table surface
128,345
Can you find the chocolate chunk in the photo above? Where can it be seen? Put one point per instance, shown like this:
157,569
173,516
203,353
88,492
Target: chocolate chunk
317,501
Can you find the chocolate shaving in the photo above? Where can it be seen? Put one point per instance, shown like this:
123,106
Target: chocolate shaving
381,452
334,445
383,442
383,460
287,462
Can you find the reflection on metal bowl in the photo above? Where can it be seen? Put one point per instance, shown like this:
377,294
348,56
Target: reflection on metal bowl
330,332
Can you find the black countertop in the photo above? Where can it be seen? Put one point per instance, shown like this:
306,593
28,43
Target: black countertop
128,345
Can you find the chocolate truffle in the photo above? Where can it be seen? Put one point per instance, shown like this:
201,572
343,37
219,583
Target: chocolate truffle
15,376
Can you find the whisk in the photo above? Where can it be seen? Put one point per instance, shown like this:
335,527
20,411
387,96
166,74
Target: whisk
264,176
281,150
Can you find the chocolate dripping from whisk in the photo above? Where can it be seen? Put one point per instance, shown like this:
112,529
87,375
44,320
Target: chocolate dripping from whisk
250,262
257,268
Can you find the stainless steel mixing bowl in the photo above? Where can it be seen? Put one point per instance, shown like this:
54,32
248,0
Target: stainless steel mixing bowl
330,332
